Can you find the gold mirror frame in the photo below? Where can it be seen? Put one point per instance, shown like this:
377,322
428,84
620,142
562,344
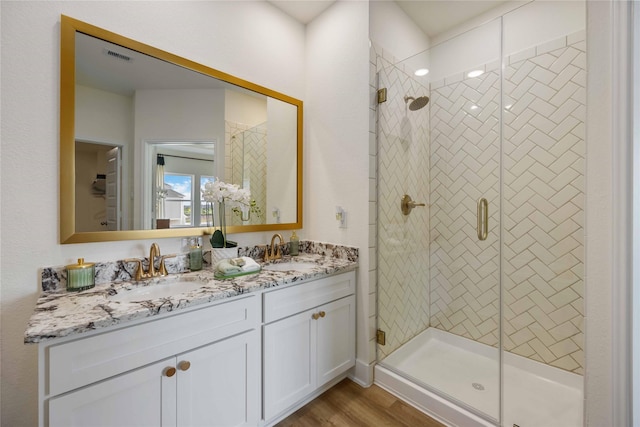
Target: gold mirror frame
68,29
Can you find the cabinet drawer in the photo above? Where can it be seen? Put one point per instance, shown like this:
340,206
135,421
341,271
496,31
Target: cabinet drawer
286,302
86,360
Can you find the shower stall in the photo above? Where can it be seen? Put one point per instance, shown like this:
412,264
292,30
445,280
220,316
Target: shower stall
246,165
480,221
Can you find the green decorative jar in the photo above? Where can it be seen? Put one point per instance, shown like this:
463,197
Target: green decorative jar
81,276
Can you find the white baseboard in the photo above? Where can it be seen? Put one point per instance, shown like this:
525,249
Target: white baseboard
362,374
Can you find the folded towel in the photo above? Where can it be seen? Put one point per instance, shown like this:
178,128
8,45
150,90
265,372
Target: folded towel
249,264
225,267
232,266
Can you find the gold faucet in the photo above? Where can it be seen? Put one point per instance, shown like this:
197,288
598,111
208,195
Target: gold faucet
154,252
273,252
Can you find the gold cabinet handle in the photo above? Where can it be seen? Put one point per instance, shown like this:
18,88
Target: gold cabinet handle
184,365
483,219
169,371
315,316
322,314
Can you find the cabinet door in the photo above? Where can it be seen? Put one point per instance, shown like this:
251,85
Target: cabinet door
289,362
143,397
336,338
219,384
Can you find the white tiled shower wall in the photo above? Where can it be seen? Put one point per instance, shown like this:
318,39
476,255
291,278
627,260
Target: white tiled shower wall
403,161
544,155
246,159
543,196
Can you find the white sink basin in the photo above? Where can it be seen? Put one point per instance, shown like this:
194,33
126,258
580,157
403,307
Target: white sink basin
159,290
290,265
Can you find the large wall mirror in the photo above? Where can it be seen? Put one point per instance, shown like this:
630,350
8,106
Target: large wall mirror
142,131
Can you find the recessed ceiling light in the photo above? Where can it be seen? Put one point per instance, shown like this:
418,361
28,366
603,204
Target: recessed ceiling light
475,73
421,72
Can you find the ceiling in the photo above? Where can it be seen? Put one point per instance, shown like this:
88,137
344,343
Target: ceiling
303,11
432,16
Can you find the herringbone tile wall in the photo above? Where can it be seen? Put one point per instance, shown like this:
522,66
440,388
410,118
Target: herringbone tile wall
449,279
403,241
246,153
544,153
465,166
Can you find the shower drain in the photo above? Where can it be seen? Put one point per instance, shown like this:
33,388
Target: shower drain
478,386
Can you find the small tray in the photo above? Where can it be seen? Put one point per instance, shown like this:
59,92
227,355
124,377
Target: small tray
219,275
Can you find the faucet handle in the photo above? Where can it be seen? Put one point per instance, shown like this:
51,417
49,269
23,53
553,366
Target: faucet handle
162,270
140,274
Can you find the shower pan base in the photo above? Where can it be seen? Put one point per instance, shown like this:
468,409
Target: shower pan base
535,394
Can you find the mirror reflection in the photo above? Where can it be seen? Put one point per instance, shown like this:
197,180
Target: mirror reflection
149,133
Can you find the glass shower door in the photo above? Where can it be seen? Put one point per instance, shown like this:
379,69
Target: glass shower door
544,93
439,266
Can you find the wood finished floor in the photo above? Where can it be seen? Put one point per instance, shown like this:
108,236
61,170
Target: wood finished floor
347,404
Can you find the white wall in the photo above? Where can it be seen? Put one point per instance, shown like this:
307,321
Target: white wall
248,39
281,178
530,25
245,109
541,21
599,219
394,31
103,116
336,155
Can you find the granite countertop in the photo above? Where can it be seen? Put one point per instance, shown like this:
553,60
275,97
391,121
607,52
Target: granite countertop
60,314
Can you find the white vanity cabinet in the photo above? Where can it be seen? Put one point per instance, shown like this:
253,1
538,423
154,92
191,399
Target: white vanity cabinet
201,367
308,339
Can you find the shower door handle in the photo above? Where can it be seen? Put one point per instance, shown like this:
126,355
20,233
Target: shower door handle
483,219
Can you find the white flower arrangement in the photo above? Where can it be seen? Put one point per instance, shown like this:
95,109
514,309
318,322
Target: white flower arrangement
231,194
238,199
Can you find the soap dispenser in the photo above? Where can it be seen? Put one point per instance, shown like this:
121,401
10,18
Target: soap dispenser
294,244
195,255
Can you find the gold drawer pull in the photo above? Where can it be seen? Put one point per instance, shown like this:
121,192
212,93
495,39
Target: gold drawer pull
315,316
169,372
322,314
184,365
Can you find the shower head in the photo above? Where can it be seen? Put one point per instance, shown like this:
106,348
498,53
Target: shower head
416,103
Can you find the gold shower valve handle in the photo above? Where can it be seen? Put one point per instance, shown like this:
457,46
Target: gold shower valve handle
407,204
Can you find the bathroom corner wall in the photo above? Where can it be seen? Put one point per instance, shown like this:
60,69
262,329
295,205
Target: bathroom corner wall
336,150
